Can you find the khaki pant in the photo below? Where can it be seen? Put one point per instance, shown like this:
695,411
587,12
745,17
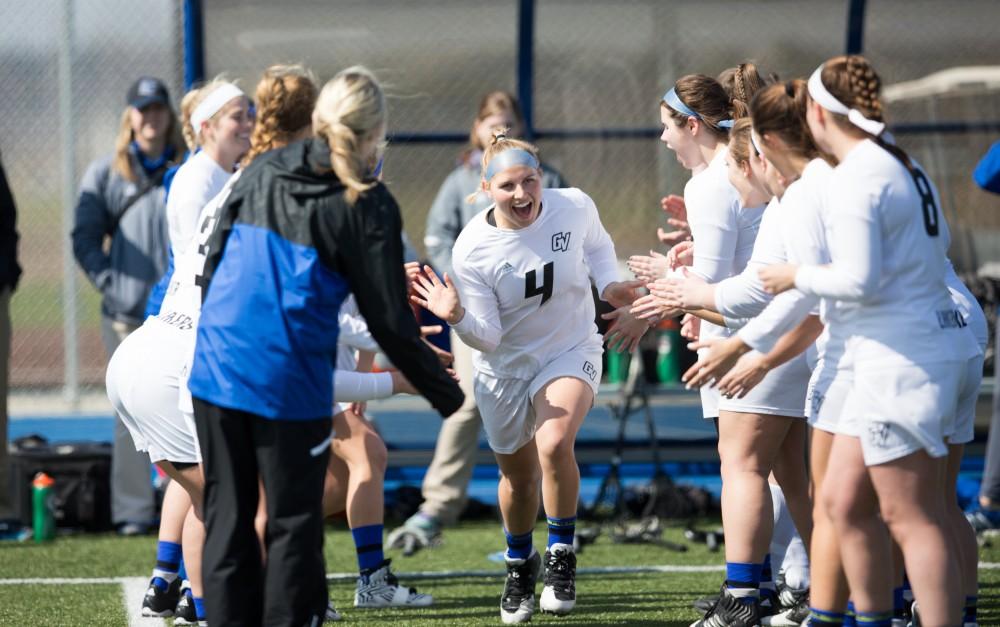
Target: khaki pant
6,507
132,498
447,481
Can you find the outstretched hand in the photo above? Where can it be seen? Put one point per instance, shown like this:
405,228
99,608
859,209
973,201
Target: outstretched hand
650,268
673,206
713,365
439,298
621,293
684,291
626,330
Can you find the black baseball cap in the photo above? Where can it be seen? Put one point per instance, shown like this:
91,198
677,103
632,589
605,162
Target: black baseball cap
146,91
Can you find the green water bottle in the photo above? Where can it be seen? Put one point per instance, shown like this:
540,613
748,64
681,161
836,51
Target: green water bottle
617,366
42,510
667,356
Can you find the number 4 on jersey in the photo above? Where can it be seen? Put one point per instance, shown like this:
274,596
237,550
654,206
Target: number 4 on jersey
531,287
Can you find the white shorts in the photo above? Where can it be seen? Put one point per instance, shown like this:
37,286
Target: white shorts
782,392
506,404
962,430
826,395
142,382
901,409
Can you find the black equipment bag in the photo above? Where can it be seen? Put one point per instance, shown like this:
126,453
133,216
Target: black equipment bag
82,475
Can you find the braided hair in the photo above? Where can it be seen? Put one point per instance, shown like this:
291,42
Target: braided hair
285,96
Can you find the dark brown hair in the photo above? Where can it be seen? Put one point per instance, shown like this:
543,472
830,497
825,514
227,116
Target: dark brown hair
742,82
780,110
706,97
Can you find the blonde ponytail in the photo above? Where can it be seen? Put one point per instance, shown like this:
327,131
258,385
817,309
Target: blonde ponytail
350,112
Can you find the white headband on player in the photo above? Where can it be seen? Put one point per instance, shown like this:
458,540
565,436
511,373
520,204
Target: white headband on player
819,93
212,103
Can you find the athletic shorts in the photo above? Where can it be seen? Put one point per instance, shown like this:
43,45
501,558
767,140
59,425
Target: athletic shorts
963,429
142,382
505,404
825,397
898,410
782,392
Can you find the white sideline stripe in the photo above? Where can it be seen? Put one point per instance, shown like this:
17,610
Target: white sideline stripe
442,574
133,590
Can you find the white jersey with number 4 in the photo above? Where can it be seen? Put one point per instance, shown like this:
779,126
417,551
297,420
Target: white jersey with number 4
526,292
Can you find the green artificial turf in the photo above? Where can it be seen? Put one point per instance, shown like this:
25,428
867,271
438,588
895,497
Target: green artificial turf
604,599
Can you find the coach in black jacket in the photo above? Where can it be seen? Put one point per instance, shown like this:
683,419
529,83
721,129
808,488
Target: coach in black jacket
297,234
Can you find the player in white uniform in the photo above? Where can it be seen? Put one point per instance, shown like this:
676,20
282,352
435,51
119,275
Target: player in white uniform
907,343
217,130
524,268
217,124
781,395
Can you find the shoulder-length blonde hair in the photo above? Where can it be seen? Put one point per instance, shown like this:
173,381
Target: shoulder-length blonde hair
351,108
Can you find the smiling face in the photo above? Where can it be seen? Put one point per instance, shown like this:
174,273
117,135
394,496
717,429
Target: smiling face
679,138
227,133
517,192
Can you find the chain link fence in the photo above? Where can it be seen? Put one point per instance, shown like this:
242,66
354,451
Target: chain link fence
599,70
66,66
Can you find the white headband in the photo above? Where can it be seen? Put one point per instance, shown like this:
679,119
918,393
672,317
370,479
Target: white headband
819,93
212,103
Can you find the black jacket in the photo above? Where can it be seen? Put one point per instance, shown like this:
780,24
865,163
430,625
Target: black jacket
286,251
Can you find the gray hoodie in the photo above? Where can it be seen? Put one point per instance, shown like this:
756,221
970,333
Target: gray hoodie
138,255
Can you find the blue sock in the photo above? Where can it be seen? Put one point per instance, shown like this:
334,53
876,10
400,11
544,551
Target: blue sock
823,618
168,558
518,547
368,544
767,587
873,619
743,581
970,609
182,572
199,607
849,616
561,530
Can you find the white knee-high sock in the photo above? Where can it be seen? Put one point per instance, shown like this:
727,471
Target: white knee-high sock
788,553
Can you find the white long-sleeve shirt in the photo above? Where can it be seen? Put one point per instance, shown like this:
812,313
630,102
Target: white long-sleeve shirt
742,296
887,271
723,232
526,292
194,185
804,223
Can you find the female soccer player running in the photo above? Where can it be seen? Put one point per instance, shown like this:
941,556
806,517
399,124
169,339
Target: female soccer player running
907,342
520,265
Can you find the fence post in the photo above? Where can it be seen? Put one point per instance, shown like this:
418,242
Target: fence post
526,64
71,381
194,44
855,26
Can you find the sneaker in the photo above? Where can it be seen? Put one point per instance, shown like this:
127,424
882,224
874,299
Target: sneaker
420,531
792,609
985,521
704,604
185,613
517,603
159,602
559,592
380,588
729,611
332,615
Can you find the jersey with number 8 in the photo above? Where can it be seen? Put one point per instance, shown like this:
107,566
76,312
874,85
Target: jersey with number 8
526,292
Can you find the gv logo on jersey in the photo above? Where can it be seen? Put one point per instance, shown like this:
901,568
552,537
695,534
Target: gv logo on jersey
560,242
590,370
